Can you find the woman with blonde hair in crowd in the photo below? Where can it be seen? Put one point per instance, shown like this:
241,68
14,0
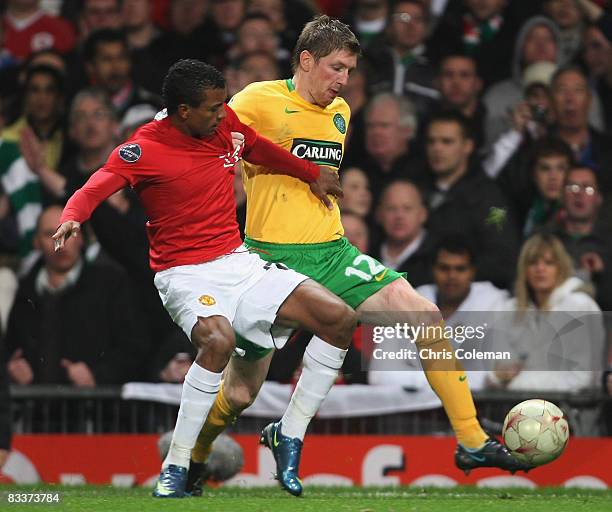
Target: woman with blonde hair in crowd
556,335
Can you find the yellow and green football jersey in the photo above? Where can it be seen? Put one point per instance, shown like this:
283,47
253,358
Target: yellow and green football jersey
281,209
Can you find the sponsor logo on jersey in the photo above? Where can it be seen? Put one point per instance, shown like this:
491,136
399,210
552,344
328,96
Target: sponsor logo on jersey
287,111
340,123
320,152
207,300
130,152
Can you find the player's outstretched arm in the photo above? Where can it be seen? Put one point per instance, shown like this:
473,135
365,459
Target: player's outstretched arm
100,185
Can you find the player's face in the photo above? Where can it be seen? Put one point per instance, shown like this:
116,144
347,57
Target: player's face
202,121
549,176
543,273
453,275
329,75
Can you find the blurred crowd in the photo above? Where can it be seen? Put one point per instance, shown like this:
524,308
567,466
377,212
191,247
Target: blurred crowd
478,161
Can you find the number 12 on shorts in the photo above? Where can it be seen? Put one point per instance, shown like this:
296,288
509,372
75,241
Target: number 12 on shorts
374,268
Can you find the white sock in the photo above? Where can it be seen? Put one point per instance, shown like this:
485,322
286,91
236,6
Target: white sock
322,362
199,392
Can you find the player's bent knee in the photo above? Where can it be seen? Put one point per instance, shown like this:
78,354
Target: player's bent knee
344,324
401,296
239,397
214,334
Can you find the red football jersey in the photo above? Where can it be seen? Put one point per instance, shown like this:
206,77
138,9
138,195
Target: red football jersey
40,32
186,188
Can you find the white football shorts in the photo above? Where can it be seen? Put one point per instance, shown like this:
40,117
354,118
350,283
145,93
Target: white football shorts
239,286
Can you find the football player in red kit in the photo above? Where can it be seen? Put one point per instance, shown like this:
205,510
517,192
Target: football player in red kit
182,168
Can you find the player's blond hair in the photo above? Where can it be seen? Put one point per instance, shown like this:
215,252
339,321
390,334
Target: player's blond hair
322,36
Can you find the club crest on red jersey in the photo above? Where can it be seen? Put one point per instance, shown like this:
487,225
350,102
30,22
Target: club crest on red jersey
130,152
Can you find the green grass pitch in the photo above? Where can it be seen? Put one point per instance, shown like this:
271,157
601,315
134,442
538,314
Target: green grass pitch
318,499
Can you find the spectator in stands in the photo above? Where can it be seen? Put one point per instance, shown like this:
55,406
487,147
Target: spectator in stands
530,120
134,118
5,413
538,41
109,66
141,34
73,322
28,28
253,67
41,122
461,199
546,355
138,24
597,56
455,292
288,17
406,245
356,95
569,19
219,29
536,196
483,30
98,15
460,88
398,61
584,233
454,289
390,124
356,189
356,230
92,127
571,102
185,37
368,20
256,34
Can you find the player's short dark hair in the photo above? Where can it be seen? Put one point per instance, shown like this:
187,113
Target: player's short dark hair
44,69
322,36
185,82
455,244
547,147
100,37
454,116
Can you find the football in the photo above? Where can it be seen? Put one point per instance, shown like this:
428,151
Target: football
536,432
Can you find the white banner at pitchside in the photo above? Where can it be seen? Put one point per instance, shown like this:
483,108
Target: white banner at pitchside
342,402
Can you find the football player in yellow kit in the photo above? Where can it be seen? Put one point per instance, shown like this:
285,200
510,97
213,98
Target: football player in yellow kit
286,223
